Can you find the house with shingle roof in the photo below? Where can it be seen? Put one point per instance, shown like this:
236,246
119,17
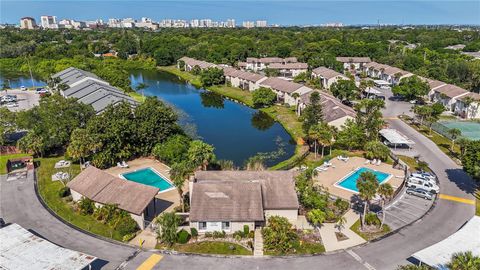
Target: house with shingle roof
356,62
103,188
243,79
327,76
258,64
468,106
285,90
228,200
335,113
289,70
190,63
448,95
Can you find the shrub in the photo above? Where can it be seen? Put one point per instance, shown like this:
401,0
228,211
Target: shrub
64,192
218,234
194,232
246,230
208,234
279,235
237,237
183,236
372,219
330,215
251,234
86,206
128,237
126,225
238,233
341,205
263,97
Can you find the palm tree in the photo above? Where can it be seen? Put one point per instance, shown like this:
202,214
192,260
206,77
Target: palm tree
200,154
464,261
386,192
81,145
341,221
454,134
367,186
326,137
180,172
314,134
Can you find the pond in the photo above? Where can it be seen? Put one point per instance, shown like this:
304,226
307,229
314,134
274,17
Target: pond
236,131
16,81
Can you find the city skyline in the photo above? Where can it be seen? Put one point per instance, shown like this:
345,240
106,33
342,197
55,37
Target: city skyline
279,12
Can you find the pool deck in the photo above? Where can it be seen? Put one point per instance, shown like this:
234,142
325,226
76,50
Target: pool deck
340,169
168,199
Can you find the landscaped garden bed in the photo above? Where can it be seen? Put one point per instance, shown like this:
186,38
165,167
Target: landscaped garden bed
213,247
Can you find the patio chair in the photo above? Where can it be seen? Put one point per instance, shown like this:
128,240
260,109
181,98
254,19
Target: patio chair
327,163
342,158
367,161
119,165
379,162
374,161
124,164
321,168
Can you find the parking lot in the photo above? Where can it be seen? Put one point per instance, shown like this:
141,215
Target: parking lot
25,99
406,209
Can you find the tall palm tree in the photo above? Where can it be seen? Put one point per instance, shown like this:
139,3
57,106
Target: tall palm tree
386,192
325,136
464,261
454,134
367,186
200,154
179,172
314,135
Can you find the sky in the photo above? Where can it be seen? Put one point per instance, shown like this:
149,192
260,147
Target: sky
302,12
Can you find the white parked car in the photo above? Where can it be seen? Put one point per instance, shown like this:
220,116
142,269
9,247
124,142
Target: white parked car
423,176
419,192
423,179
23,88
420,183
12,105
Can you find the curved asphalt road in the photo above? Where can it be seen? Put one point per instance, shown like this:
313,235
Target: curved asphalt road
19,204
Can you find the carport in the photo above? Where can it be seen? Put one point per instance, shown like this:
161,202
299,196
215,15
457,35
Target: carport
394,138
465,239
23,250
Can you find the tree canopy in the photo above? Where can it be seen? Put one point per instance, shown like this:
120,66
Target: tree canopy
412,88
263,97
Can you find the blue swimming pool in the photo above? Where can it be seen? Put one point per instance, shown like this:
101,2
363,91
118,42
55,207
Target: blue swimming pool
150,177
350,181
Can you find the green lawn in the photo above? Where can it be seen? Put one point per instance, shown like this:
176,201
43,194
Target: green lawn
49,192
369,236
5,158
301,248
411,162
213,247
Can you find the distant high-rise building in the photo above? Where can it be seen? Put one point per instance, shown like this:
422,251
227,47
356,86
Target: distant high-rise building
230,23
49,21
27,23
248,24
261,24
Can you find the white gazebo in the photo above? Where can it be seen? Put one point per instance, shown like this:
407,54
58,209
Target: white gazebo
465,239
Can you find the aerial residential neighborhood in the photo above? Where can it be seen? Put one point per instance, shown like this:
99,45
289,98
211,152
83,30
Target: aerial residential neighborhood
342,139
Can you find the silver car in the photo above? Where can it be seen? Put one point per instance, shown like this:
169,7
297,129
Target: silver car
420,192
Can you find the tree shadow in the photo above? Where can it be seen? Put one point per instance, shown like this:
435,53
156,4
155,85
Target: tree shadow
463,181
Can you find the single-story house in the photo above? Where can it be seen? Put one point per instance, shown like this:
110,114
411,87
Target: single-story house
21,249
257,64
470,111
190,63
448,95
355,62
97,94
103,188
228,200
327,76
289,70
74,76
335,113
243,79
285,90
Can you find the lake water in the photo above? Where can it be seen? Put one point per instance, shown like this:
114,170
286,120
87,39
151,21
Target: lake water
236,131
18,81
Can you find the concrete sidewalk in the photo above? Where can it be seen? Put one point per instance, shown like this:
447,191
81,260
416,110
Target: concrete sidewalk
329,239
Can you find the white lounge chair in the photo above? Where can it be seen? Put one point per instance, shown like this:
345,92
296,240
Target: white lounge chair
379,162
374,161
321,168
119,165
342,158
327,164
367,161
124,164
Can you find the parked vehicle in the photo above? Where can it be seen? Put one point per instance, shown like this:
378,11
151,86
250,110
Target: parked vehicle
23,88
419,192
41,91
420,183
12,104
8,98
424,176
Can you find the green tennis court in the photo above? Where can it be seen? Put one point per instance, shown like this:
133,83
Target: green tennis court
469,130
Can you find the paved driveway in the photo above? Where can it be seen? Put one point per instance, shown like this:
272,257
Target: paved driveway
25,99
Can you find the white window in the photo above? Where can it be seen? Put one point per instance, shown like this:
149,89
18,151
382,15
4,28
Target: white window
202,225
226,225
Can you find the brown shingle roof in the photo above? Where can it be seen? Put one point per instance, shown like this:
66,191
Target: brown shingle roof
281,85
278,187
332,107
327,73
245,75
105,188
451,90
270,60
353,59
472,95
226,201
194,62
394,70
288,66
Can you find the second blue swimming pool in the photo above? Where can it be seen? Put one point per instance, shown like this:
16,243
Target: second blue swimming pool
149,177
350,181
